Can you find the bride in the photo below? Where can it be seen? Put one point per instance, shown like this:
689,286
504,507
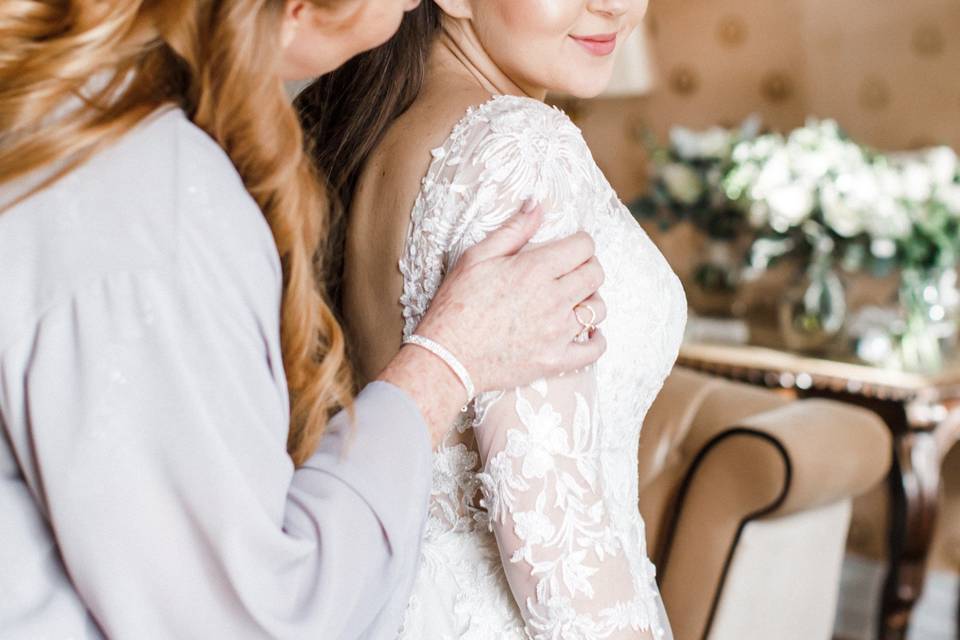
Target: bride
535,532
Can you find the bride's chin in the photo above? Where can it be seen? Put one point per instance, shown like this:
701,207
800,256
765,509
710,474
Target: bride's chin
585,89
584,81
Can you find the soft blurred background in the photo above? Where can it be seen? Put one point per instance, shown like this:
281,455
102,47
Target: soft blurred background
794,159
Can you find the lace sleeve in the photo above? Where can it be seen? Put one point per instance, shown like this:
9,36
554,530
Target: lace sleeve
543,488
542,482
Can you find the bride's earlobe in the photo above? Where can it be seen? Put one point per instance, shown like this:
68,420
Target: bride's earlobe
455,8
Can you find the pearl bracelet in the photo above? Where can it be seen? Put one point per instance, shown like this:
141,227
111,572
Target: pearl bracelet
451,360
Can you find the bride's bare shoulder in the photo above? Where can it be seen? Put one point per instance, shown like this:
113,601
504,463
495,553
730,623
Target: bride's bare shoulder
427,124
379,217
392,173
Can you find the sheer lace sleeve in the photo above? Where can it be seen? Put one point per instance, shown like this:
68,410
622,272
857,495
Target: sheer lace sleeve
541,447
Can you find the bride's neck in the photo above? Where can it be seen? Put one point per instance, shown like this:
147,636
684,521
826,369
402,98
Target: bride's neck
458,51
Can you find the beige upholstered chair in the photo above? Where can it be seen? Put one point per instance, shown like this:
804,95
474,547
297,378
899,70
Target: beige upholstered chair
747,499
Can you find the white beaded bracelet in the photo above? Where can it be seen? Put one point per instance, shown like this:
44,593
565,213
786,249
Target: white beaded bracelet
441,352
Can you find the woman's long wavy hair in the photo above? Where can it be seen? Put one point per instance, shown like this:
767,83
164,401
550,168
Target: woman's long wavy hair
346,113
217,60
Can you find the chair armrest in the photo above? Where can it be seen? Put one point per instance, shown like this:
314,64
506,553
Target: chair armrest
790,458
832,451
691,408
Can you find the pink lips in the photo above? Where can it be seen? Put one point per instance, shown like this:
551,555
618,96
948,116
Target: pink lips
598,45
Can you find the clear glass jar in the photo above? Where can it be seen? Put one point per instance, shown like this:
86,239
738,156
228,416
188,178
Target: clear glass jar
813,310
930,301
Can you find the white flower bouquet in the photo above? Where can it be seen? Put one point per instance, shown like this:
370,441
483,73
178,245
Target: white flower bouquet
687,181
816,190
818,196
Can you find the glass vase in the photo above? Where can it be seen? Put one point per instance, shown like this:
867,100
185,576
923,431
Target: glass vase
813,310
930,303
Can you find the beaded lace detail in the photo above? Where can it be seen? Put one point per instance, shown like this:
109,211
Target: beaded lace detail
533,529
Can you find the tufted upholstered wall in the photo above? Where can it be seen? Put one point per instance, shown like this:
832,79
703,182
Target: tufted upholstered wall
888,70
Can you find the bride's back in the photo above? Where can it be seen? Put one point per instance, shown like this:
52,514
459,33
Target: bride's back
380,213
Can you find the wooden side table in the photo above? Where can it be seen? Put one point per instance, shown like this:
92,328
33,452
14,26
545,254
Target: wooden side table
923,414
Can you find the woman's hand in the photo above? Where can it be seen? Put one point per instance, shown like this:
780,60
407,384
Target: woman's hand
507,315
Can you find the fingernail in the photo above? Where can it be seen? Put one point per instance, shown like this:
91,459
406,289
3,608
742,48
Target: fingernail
528,206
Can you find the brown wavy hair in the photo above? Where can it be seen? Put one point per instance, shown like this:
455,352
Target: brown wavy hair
210,58
345,114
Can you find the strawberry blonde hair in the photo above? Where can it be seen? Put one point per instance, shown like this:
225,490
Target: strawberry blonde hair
217,60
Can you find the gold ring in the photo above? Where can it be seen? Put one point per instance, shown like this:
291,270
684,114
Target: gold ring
589,325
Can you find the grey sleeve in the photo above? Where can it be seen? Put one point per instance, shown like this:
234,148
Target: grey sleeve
382,471
155,447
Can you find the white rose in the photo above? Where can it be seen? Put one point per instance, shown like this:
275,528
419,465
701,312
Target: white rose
889,182
883,248
850,158
839,215
816,134
888,219
742,153
712,144
949,195
715,143
682,182
828,129
804,136
684,143
862,185
917,181
774,174
943,164
812,165
790,205
758,150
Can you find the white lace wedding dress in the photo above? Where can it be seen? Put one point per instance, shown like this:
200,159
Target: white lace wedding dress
535,533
